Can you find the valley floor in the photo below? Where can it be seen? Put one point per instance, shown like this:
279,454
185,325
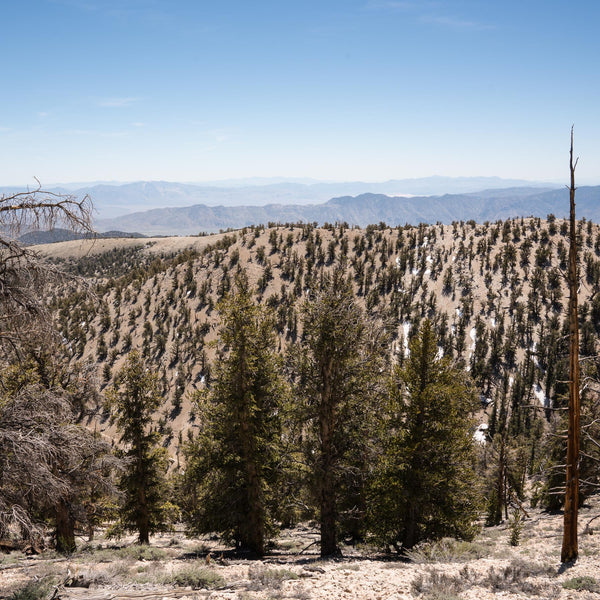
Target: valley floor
177,567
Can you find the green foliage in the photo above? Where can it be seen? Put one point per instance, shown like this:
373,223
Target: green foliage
338,387
426,484
133,401
50,465
33,590
583,583
446,550
515,526
235,463
196,577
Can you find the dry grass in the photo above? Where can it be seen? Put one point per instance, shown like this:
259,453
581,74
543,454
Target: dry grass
485,569
447,550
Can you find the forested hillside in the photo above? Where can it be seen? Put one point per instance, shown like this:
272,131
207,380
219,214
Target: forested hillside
489,298
494,292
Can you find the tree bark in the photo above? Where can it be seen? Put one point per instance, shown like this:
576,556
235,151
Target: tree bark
143,514
327,490
65,529
570,550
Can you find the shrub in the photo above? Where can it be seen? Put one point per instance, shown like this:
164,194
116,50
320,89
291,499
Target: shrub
197,578
446,550
33,590
582,583
516,527
437,585
261,577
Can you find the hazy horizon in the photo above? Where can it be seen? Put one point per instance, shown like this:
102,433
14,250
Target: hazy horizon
275,180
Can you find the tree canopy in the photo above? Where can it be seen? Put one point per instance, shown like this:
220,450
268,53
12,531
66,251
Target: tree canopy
426,483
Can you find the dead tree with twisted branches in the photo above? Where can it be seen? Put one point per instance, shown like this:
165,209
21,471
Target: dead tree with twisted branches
46,458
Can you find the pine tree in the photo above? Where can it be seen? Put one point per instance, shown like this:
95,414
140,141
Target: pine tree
338,374
426,485
235,463
133,401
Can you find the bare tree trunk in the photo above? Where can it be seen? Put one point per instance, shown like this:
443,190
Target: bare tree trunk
143,513
411,530
256,515
253,530
569,545
327,491
65,529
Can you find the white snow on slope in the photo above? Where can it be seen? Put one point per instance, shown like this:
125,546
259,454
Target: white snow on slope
480,434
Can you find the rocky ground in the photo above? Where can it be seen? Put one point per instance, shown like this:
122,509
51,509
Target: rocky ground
177,567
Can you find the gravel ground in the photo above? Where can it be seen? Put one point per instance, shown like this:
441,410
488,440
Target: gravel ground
176,567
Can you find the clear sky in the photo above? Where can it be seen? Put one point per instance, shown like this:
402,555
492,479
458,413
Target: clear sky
193,90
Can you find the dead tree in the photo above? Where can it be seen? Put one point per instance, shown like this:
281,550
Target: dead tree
22,273
569,550
44,456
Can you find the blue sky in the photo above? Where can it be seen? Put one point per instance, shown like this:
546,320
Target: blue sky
340,90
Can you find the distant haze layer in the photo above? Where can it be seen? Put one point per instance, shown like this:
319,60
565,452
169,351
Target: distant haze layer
365,209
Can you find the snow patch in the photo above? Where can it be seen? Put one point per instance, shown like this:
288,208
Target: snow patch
538,392
405,330
473,335
480,435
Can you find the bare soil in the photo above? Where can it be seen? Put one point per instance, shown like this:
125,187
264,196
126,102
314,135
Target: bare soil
177,567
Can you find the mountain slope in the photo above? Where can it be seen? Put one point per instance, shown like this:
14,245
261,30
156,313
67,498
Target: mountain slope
495,294
488,205
113,200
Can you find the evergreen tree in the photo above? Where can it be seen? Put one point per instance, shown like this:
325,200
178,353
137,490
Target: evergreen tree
235,464
337,375
426,485
133,401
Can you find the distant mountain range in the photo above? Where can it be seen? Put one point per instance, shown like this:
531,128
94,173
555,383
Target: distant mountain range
163,208
365,209
114,200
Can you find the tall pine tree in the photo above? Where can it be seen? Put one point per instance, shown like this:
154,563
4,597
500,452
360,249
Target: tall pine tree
426,485
234,465
338,376
133,401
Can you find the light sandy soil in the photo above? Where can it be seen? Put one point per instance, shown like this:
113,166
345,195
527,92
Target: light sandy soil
488,568
158,245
